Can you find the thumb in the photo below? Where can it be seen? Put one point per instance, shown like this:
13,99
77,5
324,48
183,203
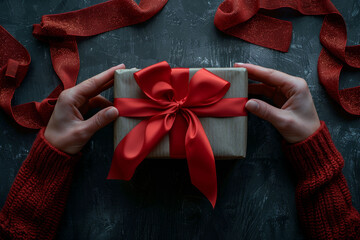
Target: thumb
101,119
265,111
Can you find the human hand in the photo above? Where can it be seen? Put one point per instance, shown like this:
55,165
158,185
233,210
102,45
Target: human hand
296,117
67,130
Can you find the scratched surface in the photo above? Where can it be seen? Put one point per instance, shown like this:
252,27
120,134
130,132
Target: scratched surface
256,194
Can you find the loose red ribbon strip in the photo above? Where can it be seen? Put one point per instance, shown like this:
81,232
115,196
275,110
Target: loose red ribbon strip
173,106
241,18
61,32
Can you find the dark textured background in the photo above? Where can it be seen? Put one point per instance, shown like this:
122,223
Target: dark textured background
256,194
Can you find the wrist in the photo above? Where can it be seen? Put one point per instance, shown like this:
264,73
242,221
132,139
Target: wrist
304,132
56,141
52,144
302,124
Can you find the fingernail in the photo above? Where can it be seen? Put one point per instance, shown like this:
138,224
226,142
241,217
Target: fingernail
120,65
251,105
239,63
112,113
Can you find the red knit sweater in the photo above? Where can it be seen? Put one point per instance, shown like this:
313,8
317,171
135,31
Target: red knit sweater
37,198
323,199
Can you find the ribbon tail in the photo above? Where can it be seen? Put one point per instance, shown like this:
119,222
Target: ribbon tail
137,144
200,158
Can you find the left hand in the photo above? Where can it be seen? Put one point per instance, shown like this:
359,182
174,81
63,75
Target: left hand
67,130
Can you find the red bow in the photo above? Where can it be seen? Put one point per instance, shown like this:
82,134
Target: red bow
173,106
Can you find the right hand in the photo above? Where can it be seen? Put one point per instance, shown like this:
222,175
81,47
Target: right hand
295,116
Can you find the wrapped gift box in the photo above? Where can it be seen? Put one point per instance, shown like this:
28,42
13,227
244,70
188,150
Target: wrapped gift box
227,136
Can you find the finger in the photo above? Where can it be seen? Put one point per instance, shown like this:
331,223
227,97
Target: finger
99,102
262,89
94,85
101,119
95,102
266,75
84,108
265,111
107,86
271,93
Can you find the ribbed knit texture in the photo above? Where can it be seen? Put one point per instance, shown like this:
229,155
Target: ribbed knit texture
323,199
37,197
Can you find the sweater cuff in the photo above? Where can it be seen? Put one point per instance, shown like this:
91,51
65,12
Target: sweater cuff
316,155
49,159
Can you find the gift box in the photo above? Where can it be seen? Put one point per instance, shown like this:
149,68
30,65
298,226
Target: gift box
227,136
192,113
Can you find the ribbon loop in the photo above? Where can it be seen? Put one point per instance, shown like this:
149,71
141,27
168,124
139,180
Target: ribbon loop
211,87
155,82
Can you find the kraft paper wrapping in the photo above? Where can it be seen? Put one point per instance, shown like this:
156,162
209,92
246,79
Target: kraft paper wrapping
227,136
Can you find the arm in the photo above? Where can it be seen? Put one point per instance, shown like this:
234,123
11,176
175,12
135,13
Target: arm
38,195
323,199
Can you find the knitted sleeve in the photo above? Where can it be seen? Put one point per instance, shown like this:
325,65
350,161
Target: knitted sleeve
323,199
36,200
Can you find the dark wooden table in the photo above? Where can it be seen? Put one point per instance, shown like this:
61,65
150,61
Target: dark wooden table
256,195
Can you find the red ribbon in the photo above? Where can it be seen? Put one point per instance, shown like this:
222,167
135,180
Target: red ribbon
173,106
241,18
61,32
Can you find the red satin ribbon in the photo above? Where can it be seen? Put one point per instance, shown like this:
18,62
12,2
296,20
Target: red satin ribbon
61,32
241,18
173,106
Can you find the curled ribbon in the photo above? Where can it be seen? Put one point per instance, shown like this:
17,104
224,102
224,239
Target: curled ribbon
173,106
246,20
61,31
